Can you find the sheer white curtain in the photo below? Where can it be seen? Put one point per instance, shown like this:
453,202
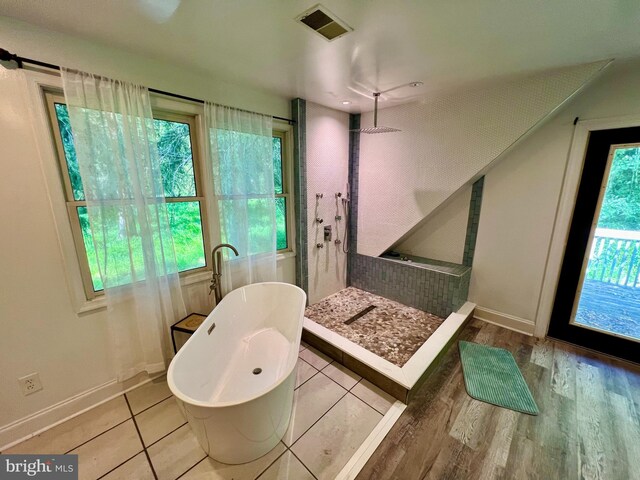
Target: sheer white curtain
240,167
113,133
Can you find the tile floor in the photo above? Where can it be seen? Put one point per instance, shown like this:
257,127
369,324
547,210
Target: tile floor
142,435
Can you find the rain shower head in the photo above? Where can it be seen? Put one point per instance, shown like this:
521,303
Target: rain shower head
376,128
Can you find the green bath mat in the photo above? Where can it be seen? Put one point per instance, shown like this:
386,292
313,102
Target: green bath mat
491,375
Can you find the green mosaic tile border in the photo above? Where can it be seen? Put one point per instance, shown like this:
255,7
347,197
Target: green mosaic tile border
473,222
299,114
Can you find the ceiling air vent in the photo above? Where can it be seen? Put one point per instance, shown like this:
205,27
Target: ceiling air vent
322,21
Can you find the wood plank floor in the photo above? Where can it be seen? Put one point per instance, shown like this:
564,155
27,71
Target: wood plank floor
588,427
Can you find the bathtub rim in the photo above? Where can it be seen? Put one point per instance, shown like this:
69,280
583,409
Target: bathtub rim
205,325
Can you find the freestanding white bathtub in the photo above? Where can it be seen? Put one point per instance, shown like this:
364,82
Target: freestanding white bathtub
235,385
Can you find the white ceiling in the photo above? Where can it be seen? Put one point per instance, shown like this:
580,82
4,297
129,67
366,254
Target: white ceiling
445,44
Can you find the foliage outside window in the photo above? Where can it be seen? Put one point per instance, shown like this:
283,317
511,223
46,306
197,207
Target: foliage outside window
621,204
612,259
247,194
281,189
175,136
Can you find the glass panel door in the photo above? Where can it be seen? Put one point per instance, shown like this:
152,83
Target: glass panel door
608,299
597,301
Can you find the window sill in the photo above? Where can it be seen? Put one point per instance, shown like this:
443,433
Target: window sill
90,306
100,303
284,255
197,277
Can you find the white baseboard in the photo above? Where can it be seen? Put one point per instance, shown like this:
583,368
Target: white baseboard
505,320
38,422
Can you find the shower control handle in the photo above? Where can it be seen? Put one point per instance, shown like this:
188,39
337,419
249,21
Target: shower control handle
319,220
327,233
319,245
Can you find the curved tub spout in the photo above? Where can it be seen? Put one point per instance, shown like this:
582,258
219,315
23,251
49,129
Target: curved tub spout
216,262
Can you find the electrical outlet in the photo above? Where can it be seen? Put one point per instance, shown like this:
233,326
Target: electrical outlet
30,383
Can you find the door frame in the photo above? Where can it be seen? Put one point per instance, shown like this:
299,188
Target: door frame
594,169
564,212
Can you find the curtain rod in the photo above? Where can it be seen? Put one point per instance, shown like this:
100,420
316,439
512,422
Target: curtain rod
5,56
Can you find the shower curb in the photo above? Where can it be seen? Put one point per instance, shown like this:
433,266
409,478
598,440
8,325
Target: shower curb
399,382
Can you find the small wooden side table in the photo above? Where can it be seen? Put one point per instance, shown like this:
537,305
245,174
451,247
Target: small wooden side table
187,325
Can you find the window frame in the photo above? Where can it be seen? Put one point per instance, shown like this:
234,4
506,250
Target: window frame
52,97
287,182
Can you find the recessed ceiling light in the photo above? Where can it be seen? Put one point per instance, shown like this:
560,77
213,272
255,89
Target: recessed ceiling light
416,84
346,102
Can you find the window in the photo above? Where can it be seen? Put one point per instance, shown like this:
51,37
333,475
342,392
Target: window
282,183
251,205
176,137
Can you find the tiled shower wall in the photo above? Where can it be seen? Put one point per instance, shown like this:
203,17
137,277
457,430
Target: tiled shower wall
299,114
327,173
354,165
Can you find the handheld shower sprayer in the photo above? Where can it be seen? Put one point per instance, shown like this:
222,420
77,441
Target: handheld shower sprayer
346,200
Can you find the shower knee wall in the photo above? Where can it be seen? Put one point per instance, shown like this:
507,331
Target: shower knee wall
427,289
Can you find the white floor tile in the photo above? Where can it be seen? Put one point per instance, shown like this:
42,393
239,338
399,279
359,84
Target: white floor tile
175,454
73,432
304,372
303,345
372,395
209,469
148,394
106,452
315,358
137,468
330,443
155,422
341,374
310,402
288,467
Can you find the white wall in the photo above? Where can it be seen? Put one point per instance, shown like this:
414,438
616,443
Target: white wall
521,195
445,142
442,235
42,330
327,173
48,46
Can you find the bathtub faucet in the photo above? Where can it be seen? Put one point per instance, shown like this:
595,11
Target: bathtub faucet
216,261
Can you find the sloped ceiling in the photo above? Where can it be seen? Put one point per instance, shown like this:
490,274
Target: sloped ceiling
444,143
